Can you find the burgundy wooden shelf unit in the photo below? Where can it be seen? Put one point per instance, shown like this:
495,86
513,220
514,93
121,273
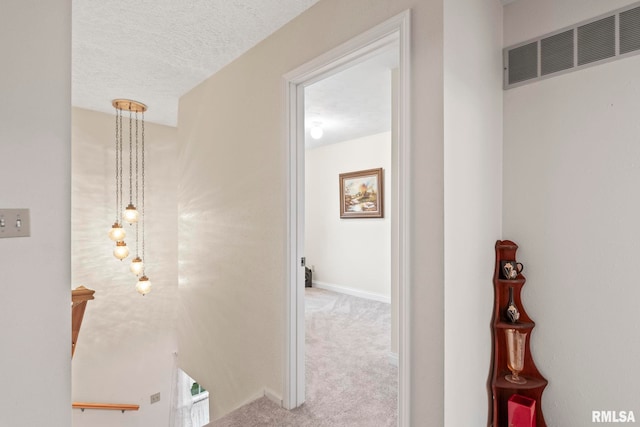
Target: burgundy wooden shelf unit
500,390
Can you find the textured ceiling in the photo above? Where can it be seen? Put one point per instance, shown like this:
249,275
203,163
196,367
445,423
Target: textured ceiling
353,103
154,51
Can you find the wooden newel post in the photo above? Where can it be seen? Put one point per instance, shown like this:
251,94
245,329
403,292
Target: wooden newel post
79,298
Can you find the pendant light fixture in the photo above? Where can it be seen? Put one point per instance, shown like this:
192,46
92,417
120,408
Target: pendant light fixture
143,286
117,233
136,266
121,251
131,214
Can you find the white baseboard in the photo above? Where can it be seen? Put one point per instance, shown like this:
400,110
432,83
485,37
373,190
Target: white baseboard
393,358
269,394
351,291
245,402
273,396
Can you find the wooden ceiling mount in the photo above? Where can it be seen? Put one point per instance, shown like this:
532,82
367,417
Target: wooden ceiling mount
129,105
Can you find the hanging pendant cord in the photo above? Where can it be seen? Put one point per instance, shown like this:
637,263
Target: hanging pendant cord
137,173
142,207
130,159
117,169
120,168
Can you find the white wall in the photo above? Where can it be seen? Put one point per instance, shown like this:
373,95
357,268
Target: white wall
35,327
527,19
232,207
571,202
473,200
125,348
348,253
395,238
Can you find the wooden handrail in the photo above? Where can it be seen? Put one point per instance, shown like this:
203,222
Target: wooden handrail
106,406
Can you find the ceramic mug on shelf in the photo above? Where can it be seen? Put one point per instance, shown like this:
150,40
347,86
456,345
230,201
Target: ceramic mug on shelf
511,269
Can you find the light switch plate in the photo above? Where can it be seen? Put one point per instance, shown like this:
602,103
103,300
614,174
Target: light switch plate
155,397
15,223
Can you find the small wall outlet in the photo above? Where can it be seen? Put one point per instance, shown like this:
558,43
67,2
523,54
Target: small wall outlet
155,397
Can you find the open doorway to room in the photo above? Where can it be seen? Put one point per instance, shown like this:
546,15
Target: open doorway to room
350,204
389,40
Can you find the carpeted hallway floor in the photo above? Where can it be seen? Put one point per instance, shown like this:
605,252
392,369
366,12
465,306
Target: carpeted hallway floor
350,381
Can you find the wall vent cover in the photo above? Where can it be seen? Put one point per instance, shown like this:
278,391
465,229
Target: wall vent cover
598,40
556,53
630,30
524,63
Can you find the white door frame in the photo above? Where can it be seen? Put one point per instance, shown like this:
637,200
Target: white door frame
394,30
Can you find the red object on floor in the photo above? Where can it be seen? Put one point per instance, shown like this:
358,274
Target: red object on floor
522,411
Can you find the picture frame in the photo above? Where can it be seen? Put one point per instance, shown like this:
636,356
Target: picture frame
362,194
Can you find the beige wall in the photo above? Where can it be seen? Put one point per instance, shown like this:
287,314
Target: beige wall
125,352
232,207
35,114
571,202
348,253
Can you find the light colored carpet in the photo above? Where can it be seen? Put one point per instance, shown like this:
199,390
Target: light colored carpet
350,381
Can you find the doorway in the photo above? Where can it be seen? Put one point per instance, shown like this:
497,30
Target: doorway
350,333
392,32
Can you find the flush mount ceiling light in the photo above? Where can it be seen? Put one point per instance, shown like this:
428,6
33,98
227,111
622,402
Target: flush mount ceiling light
136,166
316,130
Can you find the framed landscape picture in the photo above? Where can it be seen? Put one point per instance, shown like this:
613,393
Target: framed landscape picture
361,194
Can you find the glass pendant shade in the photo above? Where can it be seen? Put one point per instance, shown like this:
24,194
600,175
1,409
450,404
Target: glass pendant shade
137,266
121,251
117,233
143,286
131,214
